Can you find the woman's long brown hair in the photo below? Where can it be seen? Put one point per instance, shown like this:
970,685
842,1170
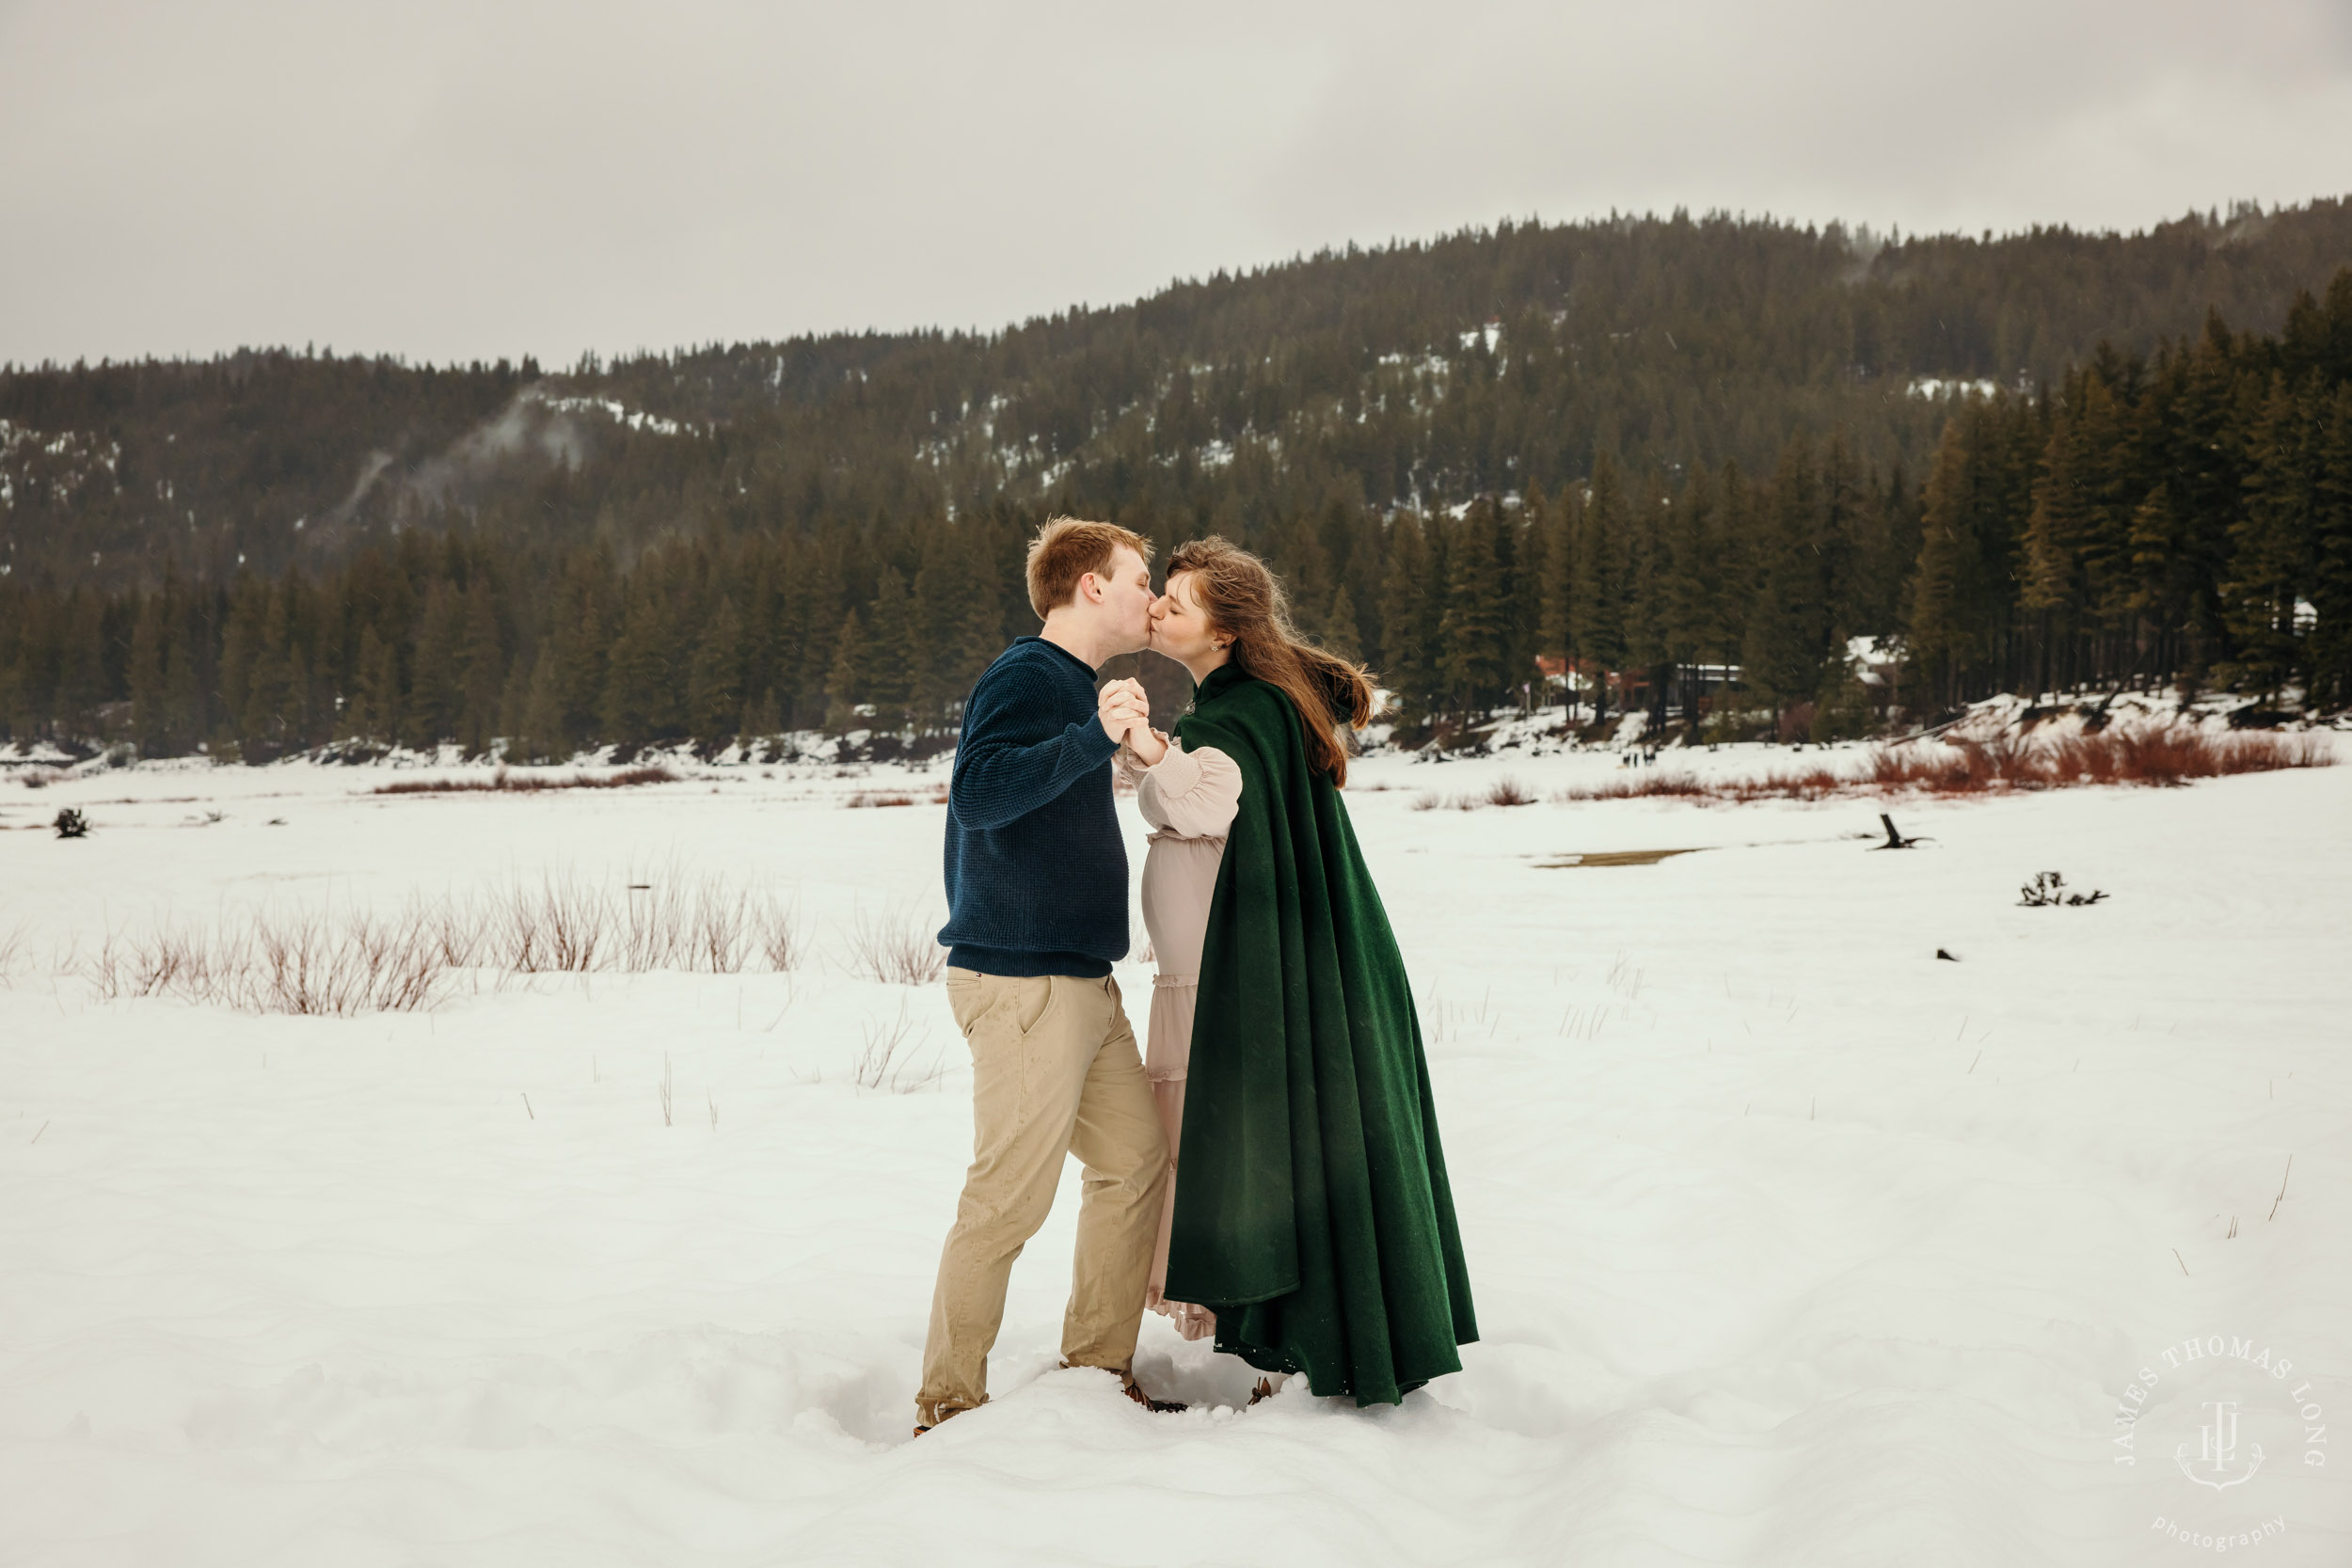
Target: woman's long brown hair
1242,600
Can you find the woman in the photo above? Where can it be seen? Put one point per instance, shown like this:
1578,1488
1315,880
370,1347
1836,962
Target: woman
1310,1228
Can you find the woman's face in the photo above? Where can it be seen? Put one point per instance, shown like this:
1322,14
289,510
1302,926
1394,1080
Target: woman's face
1178,629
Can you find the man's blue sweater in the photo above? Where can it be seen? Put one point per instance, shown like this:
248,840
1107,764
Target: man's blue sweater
1037,871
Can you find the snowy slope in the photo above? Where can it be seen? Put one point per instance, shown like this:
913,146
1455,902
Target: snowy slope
1793,1245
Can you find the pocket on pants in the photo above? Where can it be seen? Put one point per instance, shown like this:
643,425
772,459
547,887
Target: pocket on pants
998,1015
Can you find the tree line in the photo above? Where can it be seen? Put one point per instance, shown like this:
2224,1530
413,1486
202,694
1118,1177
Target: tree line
1415,375
2177,513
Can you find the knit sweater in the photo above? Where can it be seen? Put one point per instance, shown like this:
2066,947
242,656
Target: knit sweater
1035,865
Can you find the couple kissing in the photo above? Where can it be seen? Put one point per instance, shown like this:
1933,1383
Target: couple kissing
1309,1228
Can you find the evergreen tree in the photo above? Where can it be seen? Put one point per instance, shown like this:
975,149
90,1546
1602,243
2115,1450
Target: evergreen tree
1597,609
2332,544
151,711
542,737
892,657
1475,627
2270,545
1788,623
1410,642
715,690
484,660
842,683
1340,637
641,696
430,714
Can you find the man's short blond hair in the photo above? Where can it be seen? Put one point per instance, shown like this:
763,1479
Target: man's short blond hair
1066,549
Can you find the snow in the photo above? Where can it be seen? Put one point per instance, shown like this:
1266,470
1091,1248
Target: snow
1950,387
1792,1243
613,409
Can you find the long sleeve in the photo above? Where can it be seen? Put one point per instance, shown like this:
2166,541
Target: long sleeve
1004,769
1194,794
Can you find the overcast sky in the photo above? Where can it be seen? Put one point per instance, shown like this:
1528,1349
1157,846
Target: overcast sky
499,178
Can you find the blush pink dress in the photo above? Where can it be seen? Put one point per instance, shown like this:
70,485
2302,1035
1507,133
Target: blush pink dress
1188,797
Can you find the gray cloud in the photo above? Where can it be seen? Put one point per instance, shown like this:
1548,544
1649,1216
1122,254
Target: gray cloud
470,181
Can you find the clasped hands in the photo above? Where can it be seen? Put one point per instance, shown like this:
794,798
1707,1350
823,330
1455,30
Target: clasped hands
1125,712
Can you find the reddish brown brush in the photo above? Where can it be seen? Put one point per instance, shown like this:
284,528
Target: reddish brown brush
2166,756
504,783
867,798
1507,791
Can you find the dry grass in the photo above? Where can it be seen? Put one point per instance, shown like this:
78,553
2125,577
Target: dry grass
887,1059
866,799
303,961
506,782
895,949
1506,791
340,962
2152,756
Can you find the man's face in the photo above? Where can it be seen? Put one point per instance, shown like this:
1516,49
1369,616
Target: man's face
1126,601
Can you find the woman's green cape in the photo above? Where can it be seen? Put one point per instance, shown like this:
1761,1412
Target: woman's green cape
1312,1214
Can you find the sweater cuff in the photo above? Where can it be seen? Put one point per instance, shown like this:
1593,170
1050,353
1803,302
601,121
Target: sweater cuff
1095,741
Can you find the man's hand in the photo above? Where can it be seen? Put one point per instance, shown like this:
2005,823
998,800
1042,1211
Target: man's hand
1122,708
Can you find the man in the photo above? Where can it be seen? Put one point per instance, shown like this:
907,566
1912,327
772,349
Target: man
1036,911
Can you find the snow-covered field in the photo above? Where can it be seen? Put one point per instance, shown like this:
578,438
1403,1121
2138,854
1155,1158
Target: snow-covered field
1793,1243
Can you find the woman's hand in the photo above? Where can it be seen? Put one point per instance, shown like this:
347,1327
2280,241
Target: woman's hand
1148,744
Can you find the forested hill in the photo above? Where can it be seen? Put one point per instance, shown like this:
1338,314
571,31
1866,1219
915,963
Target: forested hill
1653,455
1418,373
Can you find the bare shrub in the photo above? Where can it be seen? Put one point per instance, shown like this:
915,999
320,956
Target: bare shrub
279,961
895,949
721,937
316,960
506,783
1506,791
1428,801
2158,755
886,1060
779,935
653,926
13,955
866,799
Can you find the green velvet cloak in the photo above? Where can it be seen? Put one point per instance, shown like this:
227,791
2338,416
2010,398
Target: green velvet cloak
1312,1212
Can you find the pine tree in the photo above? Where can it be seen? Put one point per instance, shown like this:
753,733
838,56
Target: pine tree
542,737
1340,637
1597,609
842,688
372,708
482,657
893,656
1406,603
150,714
430,714
641,696
1788,623
2331,543
2270,546
715,689
271,686
1475,627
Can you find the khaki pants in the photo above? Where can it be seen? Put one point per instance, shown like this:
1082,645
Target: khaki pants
1054,1071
